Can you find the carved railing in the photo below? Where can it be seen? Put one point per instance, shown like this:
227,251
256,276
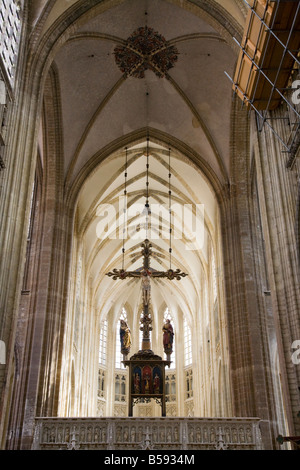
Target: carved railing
147,434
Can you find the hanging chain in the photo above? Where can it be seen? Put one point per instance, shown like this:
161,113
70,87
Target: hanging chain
125,208
147,190
170,208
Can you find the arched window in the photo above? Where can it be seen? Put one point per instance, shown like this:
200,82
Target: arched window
187,344
119,355
103,344
214,277
188,361
10,32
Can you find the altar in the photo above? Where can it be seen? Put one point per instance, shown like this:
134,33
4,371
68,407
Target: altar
146,369
146,379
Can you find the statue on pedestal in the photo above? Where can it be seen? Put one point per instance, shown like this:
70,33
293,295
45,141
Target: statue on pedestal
125,338
168,337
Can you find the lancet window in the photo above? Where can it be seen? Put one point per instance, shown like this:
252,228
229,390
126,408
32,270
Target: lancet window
187,344
103,344
214,277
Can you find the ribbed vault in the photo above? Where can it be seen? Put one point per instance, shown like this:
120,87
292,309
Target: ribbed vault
100,103
114,89
103,101
100,222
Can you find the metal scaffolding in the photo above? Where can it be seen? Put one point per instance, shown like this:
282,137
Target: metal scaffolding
263,87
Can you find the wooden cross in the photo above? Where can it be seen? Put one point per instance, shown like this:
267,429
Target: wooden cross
145,273
146,270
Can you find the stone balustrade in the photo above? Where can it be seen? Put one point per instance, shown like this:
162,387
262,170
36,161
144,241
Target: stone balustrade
147,434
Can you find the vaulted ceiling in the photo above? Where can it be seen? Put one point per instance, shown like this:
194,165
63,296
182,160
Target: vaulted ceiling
100,103
136,68
100,222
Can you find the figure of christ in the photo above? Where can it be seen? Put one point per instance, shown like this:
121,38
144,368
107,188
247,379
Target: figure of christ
146,286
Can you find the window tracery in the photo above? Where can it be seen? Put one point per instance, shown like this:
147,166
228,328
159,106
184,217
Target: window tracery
187,344
103,344
10,31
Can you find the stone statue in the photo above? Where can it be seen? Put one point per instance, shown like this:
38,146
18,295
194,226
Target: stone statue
125,337
168,336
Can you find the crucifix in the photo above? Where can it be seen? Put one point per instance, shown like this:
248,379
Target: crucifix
146,273
146,369
146,270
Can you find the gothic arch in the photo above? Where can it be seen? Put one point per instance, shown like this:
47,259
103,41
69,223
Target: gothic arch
44,49
138,136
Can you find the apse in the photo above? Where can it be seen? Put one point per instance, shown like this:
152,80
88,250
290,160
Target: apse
182,227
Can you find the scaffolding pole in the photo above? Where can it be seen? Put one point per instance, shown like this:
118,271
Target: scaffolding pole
291,146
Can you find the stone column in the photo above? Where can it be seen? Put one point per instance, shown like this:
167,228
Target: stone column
247,335
278,194
44,316
14,213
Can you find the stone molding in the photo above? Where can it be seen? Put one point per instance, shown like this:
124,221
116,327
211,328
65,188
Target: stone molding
147,433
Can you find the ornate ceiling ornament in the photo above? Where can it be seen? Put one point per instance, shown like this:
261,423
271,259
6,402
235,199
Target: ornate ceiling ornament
144,50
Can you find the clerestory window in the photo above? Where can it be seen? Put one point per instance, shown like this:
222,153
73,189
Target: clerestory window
187,344
103,344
